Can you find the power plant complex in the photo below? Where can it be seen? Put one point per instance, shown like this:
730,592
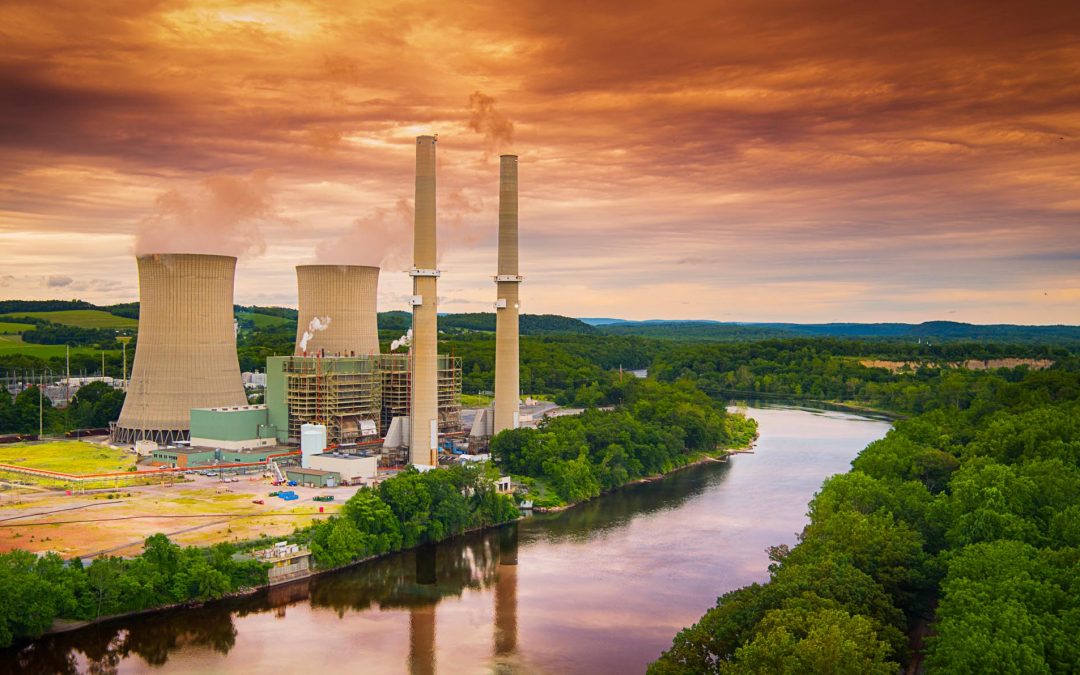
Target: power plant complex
348,405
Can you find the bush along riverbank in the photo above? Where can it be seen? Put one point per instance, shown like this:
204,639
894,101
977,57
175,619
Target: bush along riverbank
658,428
966,518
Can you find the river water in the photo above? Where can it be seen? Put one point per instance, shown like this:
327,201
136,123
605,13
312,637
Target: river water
601,588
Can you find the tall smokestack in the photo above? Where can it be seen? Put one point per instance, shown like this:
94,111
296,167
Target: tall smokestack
424,397
338,313
507,370
185,356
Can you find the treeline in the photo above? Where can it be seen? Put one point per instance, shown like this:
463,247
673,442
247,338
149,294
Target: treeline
48,333
829,369
409,509
658,427
973,506
93,407
883,333
9,306
37,590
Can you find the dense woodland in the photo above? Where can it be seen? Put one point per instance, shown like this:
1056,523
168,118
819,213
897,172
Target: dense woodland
92,407
656,428
972,506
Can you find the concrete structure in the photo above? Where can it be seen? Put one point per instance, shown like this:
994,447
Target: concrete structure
313,477
288,562
423,431
337,315
312,442
186,353
234,428
507,305
351,468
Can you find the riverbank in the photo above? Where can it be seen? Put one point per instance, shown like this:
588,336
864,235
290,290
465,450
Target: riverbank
656,555
704,458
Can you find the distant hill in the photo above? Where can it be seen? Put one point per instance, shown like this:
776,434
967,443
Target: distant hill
931,331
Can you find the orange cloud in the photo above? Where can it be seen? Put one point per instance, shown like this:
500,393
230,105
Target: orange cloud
913,155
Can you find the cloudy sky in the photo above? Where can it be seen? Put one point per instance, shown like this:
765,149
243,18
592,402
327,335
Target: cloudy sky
797,160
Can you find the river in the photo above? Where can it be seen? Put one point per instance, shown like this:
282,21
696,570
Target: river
601,588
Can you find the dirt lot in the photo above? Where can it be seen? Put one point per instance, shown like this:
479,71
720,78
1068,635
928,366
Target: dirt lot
202,511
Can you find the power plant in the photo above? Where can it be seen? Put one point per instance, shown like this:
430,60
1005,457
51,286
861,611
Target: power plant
337,385
185,356
337,310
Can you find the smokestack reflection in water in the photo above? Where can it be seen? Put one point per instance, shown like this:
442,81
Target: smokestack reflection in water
422,618
506,592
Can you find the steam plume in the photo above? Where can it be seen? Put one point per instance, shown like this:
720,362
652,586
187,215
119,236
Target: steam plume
484,119
221,217
380,239
314,326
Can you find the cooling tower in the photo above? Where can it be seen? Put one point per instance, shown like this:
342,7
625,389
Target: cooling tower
507,371
424,397
185,356
338,313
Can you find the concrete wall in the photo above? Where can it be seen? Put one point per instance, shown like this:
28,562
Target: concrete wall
350,468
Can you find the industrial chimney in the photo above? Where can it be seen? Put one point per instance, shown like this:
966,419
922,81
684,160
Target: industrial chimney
424,397
185,356
507,370
338,314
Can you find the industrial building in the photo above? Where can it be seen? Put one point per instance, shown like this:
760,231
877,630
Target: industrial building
186,353
234,428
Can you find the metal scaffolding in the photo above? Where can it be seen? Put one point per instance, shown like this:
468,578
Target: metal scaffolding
396,382
338,392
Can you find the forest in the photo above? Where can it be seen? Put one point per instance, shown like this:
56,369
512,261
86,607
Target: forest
964,518
657,427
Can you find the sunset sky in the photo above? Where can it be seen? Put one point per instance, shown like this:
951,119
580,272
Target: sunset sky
740,161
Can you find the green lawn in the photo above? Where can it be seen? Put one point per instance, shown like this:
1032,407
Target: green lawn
67,457
263,320
13,344
9,328
476,401
82,318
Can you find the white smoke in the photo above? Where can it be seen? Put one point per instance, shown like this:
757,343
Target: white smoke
314,326
403,341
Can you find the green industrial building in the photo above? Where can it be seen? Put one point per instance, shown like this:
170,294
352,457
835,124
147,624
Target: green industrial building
232,428
313,477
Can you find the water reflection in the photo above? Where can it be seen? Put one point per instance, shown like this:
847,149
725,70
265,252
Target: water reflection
413,580
599,588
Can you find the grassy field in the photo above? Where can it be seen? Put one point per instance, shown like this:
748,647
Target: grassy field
263,320
83,318
13,344
9,328
67,457
476,400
